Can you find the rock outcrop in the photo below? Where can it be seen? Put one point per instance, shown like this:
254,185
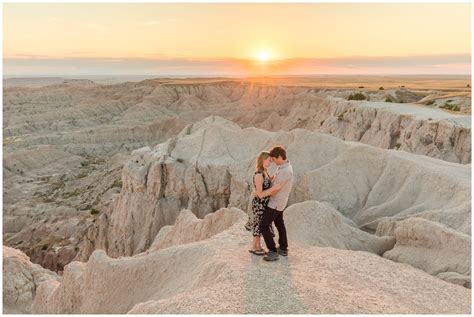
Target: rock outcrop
312,223
367,185
407,127
188,228
209,165
21,279
229,280
432,247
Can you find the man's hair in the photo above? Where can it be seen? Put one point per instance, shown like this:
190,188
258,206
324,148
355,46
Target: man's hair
277,151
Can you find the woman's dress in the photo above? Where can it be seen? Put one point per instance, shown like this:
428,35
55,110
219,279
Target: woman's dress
258,207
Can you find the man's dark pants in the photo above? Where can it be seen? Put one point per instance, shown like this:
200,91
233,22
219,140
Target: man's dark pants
272,215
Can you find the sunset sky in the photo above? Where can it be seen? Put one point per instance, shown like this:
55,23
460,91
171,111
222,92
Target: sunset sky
236,39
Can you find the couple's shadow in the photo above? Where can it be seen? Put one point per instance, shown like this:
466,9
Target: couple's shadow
270,289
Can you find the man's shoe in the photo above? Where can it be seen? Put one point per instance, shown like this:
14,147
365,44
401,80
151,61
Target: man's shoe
282,252
271,256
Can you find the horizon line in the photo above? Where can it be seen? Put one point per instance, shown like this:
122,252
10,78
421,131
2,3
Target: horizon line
11,76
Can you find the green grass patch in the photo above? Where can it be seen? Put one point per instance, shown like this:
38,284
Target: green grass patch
357,96
450,106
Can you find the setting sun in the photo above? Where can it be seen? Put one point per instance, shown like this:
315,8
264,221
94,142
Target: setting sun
263,56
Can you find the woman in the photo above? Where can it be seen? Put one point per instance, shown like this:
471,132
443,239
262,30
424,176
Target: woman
263,190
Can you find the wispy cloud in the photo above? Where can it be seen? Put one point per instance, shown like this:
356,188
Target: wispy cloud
27,56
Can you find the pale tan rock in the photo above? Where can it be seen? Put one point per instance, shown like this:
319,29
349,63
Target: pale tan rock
455,278
67,296
372,184
434,248
21,279
312,223
218,275
188,228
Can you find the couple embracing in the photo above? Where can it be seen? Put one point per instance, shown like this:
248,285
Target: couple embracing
270,198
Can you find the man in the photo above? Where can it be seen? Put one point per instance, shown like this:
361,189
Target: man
277,203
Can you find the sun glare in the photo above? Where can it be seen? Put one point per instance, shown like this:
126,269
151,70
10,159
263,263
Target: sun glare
263,56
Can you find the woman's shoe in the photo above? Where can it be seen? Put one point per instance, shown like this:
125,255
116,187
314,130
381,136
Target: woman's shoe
258,252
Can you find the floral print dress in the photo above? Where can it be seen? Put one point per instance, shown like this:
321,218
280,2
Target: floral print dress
258,207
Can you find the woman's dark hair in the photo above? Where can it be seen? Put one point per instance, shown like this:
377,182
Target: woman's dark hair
277,151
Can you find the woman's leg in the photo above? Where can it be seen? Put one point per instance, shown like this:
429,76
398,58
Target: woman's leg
256,243
258,246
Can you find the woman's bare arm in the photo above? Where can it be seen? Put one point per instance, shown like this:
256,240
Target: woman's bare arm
259,187
277,185
272,190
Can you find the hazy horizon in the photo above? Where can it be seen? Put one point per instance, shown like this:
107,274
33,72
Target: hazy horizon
88,76
457,64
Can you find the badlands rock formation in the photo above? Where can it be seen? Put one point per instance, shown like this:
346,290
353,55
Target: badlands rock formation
209,165
217,275
50,198
374,227
21,279
168,218
105,119
80,130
